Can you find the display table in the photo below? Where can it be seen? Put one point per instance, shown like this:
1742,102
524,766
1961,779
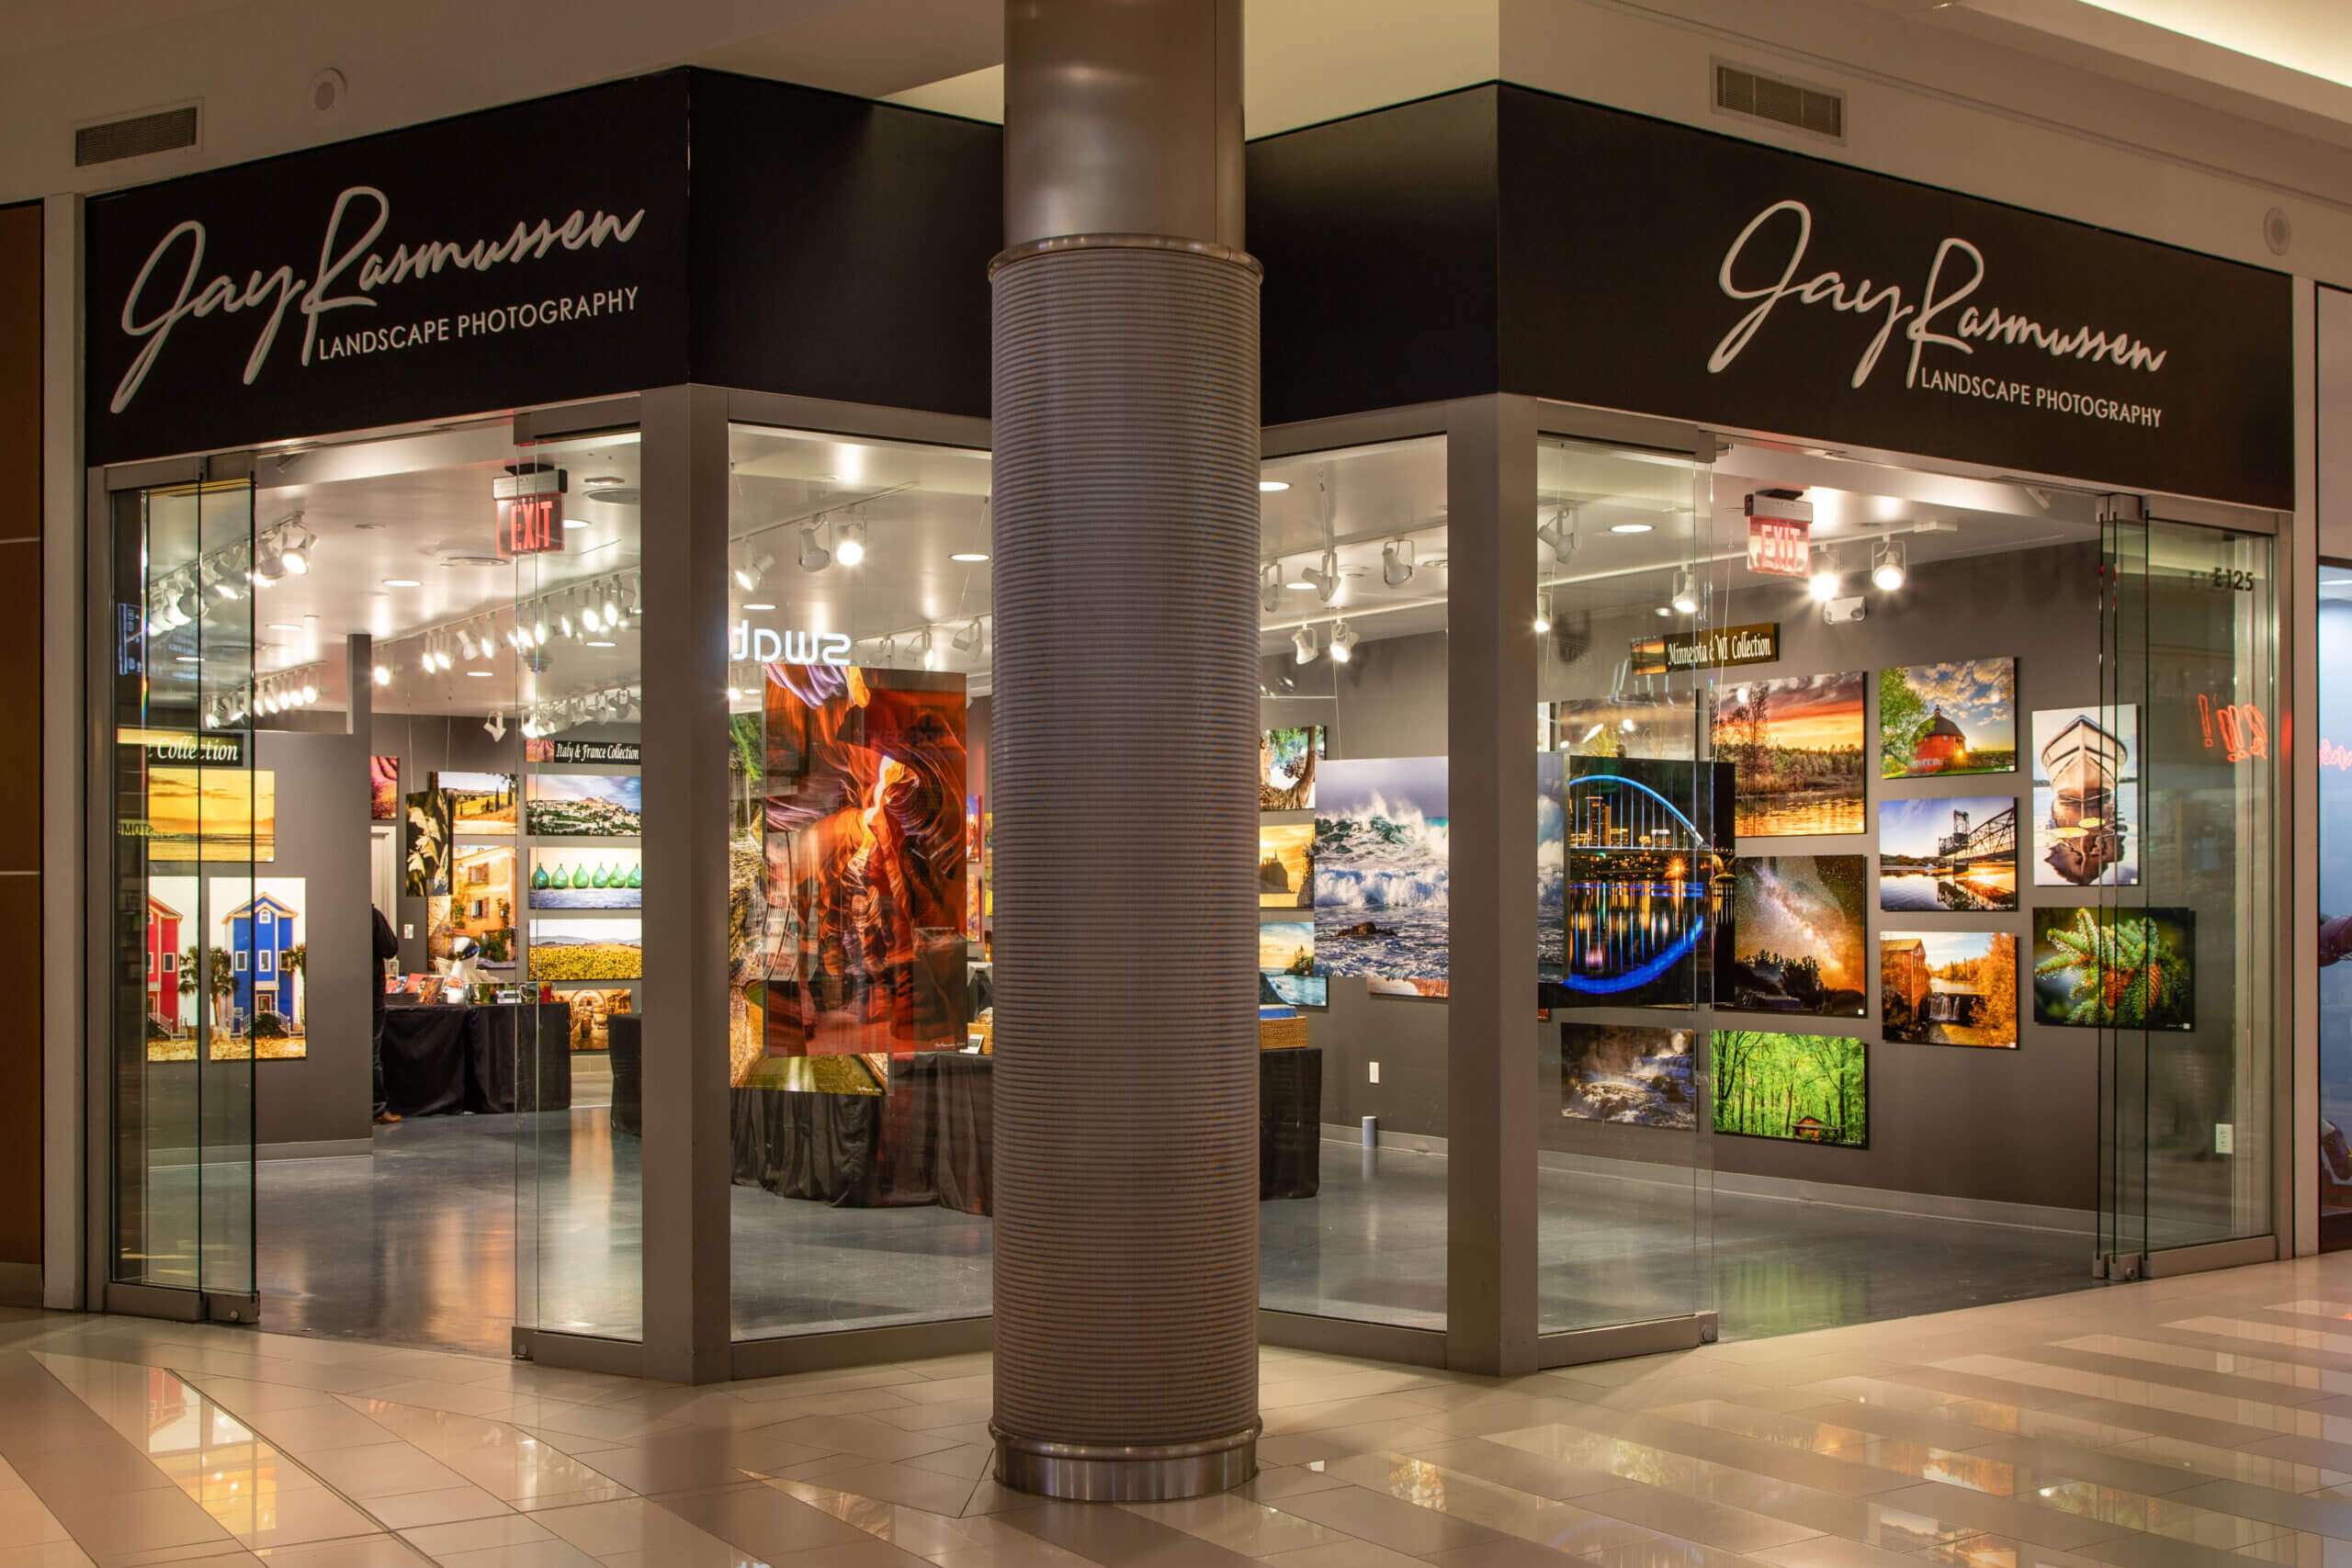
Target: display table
441,1059
929,1140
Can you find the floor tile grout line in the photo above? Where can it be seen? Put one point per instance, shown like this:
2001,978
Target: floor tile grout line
287,1455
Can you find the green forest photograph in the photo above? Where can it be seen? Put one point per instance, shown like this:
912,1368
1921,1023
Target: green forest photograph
1809,1089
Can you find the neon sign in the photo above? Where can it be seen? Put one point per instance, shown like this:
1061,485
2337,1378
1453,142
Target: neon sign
2239,728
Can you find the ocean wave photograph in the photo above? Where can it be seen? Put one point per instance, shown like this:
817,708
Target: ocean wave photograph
1381,868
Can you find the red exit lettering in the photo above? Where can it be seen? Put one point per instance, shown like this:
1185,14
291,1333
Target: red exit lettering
530,525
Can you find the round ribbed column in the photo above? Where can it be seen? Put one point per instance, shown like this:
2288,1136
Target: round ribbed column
1123,759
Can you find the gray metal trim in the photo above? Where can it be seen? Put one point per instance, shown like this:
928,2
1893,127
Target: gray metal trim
64,638
1490,1242
576,419
1655,1336
1376,426
687,1145
1127,1473
150,1301
1352,1336
318,1148
1581,421
97,840
779,411
579,1352
2175,1262
788,1354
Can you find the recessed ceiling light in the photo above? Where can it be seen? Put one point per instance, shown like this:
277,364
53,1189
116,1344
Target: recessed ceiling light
1270,486
969,556
282,627
575,523
477,674
1629,527
593,643
188,659
746,607
401,582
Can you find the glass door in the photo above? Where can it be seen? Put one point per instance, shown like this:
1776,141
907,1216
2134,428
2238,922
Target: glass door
193,980
1633,858
2164,811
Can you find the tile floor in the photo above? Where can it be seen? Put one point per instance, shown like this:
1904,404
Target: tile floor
2193,1423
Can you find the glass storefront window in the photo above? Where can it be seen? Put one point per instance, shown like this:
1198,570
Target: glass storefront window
1353,883
1633,861
860,651
572,521
191,814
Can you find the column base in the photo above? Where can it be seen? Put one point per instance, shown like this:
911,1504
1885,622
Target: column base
1138,1473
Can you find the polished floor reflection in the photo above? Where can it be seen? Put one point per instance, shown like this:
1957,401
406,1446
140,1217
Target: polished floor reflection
417,1246
2197,1423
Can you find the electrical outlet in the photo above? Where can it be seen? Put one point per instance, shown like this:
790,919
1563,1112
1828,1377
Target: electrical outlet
2225,1138
1375,1072
407,930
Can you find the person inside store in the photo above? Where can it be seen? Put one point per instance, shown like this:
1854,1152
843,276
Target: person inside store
387,945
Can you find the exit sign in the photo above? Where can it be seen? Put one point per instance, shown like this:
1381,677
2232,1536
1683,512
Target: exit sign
530,509
530,525
1779,534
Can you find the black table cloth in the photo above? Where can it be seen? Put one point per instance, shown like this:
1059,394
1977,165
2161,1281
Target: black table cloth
626,1032
928,1141
442,1059
425,1060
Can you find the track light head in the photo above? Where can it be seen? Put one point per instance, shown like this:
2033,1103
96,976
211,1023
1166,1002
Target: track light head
1270,587
1559,535
1302,642
1325,580
849,543
1343,642
812,556
1396,562
1686,592
1824,582
1890,565
968,638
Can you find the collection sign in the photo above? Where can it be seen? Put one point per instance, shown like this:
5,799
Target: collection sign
178,748
560,751
1716,648
519,255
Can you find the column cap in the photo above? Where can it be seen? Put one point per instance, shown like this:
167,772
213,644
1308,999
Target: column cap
1209,248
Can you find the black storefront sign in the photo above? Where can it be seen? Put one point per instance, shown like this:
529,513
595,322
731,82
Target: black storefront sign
546,252
521,255
1651,267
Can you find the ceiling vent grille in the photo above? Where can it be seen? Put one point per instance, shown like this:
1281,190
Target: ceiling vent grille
161,132
1782,103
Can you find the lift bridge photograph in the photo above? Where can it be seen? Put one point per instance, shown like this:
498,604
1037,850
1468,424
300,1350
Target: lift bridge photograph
1948,853
1636,868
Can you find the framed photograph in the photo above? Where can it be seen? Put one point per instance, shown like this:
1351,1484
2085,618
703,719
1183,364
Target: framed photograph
1796,746
1949,987
1380,871
1798,933
1641,1077
1807,1089
1949,853
1948,719
2104,968
1286,865
1286,969
584,805
2087,797
587,877
383,789
1286,760
587,950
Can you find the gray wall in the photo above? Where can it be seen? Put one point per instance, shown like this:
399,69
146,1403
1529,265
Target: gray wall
323,838
2015,1126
